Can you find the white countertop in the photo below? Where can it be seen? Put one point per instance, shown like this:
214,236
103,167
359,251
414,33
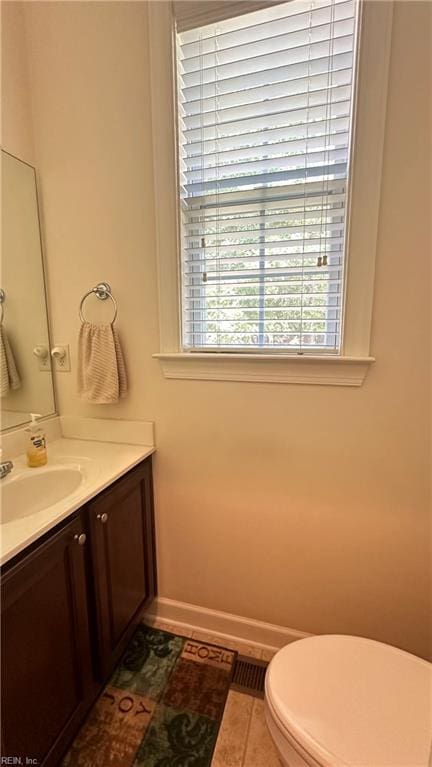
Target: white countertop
101,463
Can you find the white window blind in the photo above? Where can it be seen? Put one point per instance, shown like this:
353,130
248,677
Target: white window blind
265,121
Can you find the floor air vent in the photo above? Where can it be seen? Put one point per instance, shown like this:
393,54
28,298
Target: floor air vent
249,675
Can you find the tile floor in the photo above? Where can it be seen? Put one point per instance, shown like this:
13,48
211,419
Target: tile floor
243,739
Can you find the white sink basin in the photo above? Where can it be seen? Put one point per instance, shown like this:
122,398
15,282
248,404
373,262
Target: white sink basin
31,491
33,501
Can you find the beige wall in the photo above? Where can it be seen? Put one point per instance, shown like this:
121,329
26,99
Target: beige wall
300,505
16,124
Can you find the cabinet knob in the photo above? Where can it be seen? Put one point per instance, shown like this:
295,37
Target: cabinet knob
80,539
102,518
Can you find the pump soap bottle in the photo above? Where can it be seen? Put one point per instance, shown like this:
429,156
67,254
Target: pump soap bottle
36,450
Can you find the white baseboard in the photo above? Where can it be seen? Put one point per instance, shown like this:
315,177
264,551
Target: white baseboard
183,614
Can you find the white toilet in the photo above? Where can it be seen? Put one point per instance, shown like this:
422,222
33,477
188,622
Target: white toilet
334,701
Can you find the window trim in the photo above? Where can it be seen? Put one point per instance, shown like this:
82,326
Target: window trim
350,367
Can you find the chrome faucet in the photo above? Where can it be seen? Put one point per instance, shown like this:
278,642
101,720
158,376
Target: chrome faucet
5,468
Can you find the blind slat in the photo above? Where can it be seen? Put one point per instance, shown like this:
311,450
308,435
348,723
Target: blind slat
277,74
236,215
279,103
283,104
268,179
286,134
303,54
271,247
333,142
294,196
245,281
316,157
265,120
290,87
277,43
330,295
299,116
232,236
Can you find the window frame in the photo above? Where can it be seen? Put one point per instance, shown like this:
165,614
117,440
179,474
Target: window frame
350,366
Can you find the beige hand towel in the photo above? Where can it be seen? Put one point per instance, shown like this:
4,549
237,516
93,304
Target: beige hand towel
101,368
9,377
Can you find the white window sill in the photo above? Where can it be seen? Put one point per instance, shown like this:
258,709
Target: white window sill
266,368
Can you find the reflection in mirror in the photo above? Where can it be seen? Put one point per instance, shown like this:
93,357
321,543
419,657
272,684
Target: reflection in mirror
26,383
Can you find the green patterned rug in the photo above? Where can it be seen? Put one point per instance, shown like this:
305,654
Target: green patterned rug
161,708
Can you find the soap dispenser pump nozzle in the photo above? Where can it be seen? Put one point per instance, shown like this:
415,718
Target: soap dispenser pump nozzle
34,417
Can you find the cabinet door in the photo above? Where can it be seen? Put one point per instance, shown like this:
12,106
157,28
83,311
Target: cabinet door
45,647
122,541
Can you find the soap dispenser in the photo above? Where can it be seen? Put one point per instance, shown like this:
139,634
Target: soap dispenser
36,450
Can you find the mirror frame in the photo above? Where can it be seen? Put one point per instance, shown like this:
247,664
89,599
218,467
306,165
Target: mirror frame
55,413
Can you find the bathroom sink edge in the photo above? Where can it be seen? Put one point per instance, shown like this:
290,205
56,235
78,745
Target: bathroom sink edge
114,460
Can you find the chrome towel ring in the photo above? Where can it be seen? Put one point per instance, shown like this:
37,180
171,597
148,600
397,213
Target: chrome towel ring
101,291
2,300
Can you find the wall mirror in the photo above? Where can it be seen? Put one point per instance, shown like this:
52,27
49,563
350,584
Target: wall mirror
26,376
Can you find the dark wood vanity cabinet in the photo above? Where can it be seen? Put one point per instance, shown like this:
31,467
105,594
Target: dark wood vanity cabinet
122,561
68,608
45,648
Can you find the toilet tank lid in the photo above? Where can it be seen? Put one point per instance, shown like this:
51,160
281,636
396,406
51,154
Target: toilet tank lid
353,701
